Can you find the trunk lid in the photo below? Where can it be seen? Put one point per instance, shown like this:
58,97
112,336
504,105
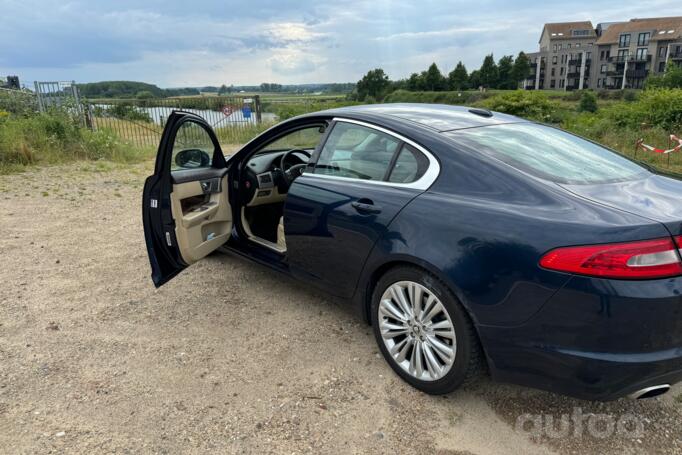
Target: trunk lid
656,197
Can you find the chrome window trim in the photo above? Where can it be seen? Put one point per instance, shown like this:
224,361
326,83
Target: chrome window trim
423,183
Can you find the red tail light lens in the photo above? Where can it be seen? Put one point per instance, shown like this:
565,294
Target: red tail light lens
646,259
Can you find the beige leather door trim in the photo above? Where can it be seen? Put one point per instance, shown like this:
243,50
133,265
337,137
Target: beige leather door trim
204,229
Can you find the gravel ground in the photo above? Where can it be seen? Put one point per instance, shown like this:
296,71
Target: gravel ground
229,356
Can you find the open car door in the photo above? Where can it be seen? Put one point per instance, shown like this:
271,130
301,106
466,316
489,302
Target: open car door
185,205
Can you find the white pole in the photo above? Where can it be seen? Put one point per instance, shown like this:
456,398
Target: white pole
538,65
625,71
582,70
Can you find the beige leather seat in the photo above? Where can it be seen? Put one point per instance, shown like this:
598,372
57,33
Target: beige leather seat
280,234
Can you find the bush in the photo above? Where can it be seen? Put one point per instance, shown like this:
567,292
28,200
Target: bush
528,104
54,138
128,112
654,107
588,102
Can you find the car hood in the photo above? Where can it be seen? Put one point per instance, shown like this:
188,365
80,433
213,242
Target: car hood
656,197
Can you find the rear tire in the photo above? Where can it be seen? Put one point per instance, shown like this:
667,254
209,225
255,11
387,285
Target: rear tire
433,348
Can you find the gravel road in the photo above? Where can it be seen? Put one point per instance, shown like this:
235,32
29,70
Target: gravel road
229,357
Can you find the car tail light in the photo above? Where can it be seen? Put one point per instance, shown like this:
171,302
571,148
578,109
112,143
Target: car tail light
658,258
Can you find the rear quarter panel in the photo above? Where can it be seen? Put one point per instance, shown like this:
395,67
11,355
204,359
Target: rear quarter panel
482,230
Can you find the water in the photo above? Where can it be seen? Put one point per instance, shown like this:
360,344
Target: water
159,114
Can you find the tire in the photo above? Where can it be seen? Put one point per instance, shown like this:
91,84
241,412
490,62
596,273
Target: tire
431,335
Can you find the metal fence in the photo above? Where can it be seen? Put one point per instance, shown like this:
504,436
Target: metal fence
141,121
59,95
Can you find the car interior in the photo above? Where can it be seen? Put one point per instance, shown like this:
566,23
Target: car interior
201,205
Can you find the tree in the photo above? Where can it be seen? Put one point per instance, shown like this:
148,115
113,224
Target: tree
434,79
521,69
144,95
375,84
489,73
223,89
475,79
414,82
504,71
588,102
458,79
671,78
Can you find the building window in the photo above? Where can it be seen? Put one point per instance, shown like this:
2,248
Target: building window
662,51
623,55
568,46
554,60
643,39
552,83
588,55
561,83
661,67
560,46
624,40
641,53
561,73
599,83
553,71
581,32
555,47
603,67
577,44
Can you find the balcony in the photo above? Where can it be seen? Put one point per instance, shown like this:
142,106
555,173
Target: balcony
617,72
676,55
636,74
578,62
574,74
630,59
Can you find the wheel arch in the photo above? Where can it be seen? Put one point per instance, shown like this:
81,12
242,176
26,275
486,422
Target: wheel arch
377,271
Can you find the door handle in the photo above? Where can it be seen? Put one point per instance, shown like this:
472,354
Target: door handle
365,206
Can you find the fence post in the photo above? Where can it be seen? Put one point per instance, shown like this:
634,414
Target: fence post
41,108
259,117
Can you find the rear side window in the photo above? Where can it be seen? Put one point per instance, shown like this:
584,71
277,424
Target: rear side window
356,151
410,165
549,153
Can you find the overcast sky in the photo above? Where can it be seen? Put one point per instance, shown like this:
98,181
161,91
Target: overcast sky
175,43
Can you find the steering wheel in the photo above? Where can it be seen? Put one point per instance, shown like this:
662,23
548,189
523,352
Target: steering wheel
293,171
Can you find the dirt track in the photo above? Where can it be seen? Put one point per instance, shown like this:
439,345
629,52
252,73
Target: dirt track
228,357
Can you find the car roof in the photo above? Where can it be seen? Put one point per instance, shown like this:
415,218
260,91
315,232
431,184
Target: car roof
436,117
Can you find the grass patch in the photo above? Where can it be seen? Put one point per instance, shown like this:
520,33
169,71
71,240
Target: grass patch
53,138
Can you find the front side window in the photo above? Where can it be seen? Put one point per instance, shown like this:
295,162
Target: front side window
641,53
624,40
549,153
357,151
192,148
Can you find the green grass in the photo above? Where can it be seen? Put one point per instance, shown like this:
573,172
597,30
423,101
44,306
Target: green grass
55,138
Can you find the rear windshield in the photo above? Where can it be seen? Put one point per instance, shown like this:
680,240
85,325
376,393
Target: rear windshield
549,153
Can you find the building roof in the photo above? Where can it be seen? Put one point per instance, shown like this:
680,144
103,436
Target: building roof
661,28
564,30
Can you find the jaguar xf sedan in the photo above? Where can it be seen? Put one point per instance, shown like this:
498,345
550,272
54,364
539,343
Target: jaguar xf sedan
470,240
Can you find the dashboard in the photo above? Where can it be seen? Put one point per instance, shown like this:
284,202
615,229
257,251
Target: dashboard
263,181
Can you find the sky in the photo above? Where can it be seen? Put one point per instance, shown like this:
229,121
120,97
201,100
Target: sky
179,43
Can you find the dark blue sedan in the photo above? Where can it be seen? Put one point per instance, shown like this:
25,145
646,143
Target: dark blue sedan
470,240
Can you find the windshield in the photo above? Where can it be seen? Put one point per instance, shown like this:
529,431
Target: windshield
549,153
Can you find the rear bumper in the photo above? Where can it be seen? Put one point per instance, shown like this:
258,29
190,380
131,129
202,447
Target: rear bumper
594,339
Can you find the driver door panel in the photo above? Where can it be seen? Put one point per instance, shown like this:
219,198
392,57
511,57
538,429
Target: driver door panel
203,217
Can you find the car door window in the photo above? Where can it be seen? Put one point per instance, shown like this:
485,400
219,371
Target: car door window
305,139
410,165
192,148
356,151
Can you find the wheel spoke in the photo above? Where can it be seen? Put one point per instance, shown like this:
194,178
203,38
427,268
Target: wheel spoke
416,361
389,330
398,294
445,351
416,295
435,309
389,309
431,361
400,350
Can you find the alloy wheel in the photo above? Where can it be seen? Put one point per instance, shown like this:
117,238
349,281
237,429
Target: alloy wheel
417,330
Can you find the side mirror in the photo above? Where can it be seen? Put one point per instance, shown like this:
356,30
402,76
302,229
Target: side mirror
192,159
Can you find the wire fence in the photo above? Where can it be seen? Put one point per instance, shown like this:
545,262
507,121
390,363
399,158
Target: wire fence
141,122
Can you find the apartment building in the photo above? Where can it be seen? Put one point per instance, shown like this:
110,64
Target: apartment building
613,55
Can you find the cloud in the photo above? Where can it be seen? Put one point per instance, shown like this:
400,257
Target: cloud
173,42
